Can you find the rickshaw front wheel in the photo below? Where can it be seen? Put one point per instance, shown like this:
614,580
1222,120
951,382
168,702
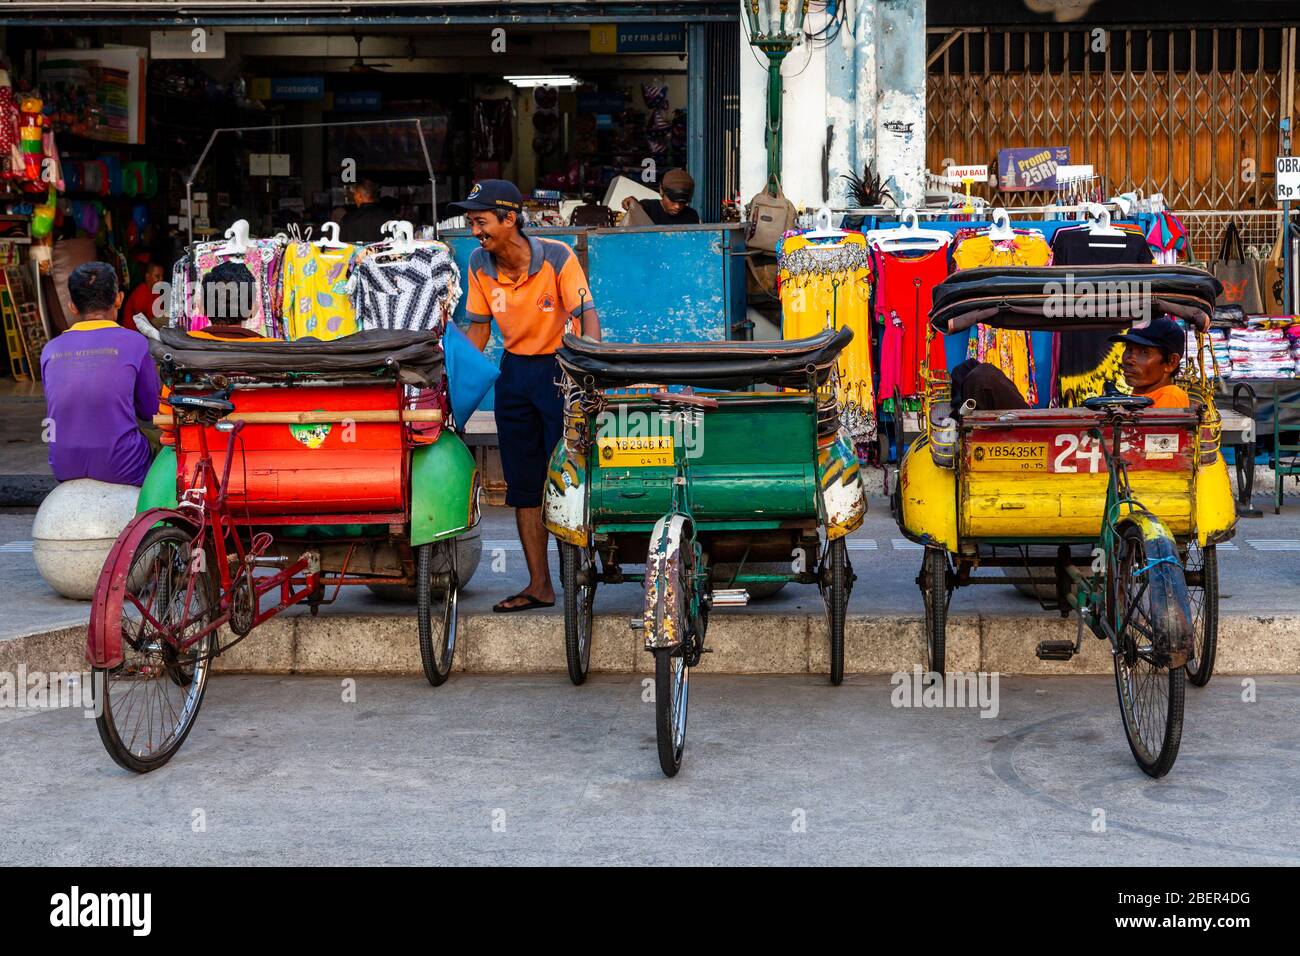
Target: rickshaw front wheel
437,650
1205,612
672,682
146,706
836,596
933,581
577,562
1150,696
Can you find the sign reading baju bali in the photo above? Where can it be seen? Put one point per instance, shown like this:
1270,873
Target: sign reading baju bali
1025,168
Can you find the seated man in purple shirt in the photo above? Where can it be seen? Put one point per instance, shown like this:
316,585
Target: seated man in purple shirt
99,379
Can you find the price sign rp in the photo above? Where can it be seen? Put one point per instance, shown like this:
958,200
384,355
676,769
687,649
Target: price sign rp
1288,178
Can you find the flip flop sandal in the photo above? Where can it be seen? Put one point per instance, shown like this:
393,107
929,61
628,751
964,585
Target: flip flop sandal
531,603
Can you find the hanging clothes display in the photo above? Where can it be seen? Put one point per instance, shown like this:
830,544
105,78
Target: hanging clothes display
315,300
904,283
416,290
262,257
1087,361
1007,349
824,282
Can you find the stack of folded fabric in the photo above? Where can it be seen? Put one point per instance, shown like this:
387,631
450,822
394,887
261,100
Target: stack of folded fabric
1293,336
1261,353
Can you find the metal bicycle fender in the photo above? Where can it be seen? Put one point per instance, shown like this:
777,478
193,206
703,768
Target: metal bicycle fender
665,611
1165,580
104,633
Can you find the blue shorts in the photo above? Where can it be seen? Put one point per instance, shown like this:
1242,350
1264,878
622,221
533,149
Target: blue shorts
530,423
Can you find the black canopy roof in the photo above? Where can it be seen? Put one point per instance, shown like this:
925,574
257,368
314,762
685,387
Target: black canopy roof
1072,298
413,357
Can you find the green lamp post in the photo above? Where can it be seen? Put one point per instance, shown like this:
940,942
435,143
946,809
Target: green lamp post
774,27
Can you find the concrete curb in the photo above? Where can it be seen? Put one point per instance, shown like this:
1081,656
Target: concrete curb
25,491
742,644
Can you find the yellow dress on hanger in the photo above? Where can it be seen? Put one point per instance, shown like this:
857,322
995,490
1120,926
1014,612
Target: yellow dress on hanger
1007,349
830,282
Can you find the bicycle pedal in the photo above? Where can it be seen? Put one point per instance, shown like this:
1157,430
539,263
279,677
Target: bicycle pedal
1055,650
729,597
636,623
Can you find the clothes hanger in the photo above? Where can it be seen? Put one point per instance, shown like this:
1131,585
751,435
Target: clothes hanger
1001,229
400,242
237,236
1099,221
909,236
824,229
329,237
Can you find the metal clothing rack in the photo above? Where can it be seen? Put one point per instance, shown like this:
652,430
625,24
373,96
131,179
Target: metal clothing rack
1017,212
189,180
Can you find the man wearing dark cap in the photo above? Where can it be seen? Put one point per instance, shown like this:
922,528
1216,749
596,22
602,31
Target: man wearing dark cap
1151,358
672,207
535,291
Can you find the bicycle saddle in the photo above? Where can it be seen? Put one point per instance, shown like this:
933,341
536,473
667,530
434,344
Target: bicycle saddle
1128,403
203,403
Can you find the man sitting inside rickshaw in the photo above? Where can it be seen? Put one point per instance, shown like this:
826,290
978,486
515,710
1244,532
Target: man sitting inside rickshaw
1151,359
228,298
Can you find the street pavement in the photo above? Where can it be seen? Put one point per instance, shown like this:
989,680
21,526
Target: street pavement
531,770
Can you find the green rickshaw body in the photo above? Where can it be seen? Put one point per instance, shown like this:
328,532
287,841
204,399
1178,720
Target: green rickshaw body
750,461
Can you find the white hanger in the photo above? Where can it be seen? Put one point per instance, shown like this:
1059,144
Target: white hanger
401,237
330,237
824,230
1001,228
1100,220
910,235
237,235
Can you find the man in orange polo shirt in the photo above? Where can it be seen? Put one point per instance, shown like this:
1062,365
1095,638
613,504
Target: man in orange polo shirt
535,291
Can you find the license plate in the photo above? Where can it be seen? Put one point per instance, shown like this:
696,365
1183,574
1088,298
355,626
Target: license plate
1009,456
635,452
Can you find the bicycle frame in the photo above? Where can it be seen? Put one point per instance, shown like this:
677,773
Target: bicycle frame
204,502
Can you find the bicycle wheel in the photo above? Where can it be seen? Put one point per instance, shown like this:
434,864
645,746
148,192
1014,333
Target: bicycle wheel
933,581
672,683
836,597
578,599
1205,611
146,706
1150,695
437,650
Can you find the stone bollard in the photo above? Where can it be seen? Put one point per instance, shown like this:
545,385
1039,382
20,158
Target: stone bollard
74,530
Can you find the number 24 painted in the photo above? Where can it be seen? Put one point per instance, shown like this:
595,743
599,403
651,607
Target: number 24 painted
1081,447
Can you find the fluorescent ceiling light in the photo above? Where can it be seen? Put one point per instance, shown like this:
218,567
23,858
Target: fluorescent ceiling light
555,79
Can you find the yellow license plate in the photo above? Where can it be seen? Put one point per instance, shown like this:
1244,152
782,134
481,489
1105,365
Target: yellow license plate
635,452
1009,456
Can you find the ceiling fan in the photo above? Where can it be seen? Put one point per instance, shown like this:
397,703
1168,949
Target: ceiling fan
359,65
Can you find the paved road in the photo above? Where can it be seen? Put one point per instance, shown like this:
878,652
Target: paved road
282,772
1259,571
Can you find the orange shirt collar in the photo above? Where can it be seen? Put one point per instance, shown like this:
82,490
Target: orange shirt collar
89,325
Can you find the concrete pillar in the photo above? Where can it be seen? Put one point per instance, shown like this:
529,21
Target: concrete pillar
857,99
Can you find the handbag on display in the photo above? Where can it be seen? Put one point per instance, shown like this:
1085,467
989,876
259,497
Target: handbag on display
1240,278
1272,280
772,217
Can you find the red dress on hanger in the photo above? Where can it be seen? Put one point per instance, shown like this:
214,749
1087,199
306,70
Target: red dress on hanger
904,286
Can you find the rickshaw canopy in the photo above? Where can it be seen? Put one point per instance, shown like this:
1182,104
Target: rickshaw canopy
1073,298
414,358
705,364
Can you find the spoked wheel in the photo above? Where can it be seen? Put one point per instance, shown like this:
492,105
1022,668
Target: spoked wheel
1150,696
672,681
933,581
838,578
1205,611
577,563
146,705
437,594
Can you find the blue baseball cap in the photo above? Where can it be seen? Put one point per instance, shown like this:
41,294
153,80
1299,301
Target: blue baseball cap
492,194
1160,333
